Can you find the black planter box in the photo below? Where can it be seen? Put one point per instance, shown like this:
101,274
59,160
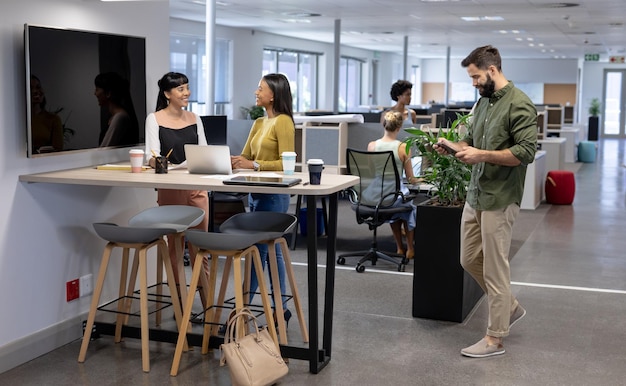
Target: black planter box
593,127
442,290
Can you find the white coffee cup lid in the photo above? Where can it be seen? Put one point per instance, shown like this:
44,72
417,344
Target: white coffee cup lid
315,161
135,151
289,154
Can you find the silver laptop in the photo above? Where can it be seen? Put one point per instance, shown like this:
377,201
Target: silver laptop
208,159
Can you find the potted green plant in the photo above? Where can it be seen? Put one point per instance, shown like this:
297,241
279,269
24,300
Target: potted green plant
594,120
442,289
447,174
252,112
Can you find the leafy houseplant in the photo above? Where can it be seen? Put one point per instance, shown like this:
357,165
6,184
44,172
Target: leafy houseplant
252,112
449,176
594,107
593,125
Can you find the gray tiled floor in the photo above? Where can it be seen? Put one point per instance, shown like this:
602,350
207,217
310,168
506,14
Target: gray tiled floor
568,270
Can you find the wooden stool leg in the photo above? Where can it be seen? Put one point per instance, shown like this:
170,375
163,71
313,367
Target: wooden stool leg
267,306
237,280
94,302
222,294
121,304
132,281
185,322
143,295
294,289
209,309
246,280
159,282
169,271
178,240
276,290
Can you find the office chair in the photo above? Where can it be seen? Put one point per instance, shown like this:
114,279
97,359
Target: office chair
372,201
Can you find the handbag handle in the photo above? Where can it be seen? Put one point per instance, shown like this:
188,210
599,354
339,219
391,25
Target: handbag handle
231,334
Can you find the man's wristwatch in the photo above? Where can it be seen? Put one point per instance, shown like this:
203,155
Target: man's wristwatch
256,166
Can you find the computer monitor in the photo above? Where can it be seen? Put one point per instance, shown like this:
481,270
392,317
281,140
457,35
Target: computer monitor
215,129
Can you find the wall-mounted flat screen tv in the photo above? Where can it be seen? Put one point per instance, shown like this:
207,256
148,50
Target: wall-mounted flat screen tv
84,90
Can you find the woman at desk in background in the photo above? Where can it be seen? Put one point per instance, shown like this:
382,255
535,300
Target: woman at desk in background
168,129
269,137
46,127
392,121
401,94
113,95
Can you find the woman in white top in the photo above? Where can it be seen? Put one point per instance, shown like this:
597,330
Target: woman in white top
392,121
168,129
401,94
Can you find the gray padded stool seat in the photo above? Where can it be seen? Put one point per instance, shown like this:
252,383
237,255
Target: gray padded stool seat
234,247
140,239
179,218
274,226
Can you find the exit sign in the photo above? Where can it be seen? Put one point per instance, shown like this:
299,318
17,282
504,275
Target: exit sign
592,57
616,59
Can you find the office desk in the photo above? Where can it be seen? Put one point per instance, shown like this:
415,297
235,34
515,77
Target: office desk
571,134
318,356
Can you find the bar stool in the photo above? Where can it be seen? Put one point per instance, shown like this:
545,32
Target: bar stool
234,247
141,240
179,218
274,225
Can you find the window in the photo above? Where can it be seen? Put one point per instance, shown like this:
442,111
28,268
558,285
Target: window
350,70
301,70
187,56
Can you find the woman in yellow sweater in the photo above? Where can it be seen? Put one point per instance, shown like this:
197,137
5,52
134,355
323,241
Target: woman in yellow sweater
269,137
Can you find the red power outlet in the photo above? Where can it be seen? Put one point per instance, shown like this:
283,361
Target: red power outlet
72,289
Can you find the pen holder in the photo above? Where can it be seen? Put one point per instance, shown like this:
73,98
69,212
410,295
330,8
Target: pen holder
160,165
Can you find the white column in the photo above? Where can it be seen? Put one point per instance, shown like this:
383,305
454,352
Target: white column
210,57
336,66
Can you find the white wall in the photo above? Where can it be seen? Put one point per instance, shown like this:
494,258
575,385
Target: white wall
248,62
517,70
46,237
592,84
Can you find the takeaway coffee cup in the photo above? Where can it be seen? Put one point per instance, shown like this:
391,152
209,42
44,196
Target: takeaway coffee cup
136,160
160,165
289,162
315,166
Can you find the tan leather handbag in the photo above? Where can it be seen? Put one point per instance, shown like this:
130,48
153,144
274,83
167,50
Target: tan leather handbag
252,357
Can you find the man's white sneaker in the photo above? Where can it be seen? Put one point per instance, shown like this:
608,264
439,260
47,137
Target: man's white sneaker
482,349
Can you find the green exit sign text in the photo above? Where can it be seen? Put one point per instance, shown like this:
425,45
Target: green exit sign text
592,57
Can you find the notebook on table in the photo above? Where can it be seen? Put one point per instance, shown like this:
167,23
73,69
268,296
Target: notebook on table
284,182
208,159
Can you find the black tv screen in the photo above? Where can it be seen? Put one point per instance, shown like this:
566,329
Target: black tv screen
84,90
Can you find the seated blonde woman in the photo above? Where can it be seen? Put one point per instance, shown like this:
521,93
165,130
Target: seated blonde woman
393,123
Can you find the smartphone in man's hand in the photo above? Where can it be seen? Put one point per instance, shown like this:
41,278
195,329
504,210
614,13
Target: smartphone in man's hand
446,147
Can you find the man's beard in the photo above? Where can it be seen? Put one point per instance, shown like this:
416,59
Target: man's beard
487,89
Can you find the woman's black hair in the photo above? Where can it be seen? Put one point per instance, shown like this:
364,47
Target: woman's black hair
166,83
399,88
283,101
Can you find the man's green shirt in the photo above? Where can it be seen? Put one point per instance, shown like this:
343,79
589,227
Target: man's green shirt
506,120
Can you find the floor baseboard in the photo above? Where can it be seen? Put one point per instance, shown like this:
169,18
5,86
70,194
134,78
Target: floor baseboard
42,342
